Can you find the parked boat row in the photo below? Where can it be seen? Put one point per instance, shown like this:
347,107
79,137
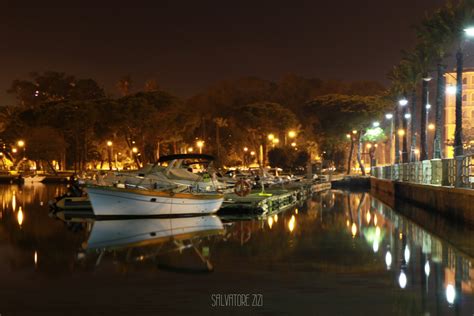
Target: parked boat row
179,185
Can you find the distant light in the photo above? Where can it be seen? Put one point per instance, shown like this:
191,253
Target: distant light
389,116
20,217
469,31
416,151
402,280
252,153
369,146
368,217
275,140
200,143
109,143
292,134
246,149
388,259
293,144
427,268
21,143
431,126
348,135
35,257
450,294
354,132
375,124
14,150
401,132
451,89
275,218
271,136
407,116
428,106
190,149
403,102
134,150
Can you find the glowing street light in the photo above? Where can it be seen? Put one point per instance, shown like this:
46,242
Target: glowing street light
401,132
431,126
246,149
190,149
21,143
469,31
450,89
407,116
403,102
271,136
134,150
291,134
200,144
252,153
14,150
375,124
389,116
275,141
293,144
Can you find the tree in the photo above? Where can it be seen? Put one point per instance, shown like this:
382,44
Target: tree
336,115
124,85
53,86
262,118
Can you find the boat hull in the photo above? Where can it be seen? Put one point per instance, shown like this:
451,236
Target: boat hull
110,201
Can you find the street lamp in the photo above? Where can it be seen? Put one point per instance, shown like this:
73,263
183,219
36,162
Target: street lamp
403,103
291,134
271,137
109,153
375,124
200,144
190,149
389,116
21,143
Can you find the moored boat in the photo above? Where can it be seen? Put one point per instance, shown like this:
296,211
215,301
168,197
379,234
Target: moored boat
126,201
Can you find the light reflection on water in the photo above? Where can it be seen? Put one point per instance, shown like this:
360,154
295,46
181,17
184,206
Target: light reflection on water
336,234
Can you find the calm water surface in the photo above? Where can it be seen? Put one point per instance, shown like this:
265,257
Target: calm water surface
338,254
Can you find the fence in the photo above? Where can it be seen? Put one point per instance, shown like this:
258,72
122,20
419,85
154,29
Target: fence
457,171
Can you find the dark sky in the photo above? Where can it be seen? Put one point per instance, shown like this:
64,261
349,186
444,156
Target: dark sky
188,45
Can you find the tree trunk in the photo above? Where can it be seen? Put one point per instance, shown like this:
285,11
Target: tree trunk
458,150
424,102
218,145
350,157
396,118
413,126
440,100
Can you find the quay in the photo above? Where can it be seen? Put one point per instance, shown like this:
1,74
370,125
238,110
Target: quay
443,186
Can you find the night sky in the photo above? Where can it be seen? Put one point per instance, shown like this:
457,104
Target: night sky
188,45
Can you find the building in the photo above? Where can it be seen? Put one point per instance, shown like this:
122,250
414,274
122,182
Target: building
467,111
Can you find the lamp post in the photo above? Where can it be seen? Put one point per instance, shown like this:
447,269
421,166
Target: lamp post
403,103
199,145
424,112
109,153
389,116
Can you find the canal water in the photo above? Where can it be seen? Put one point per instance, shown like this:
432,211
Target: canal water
339,253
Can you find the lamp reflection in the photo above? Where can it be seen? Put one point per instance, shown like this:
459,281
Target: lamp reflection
388,259
427,268
19,216
270,222
406,254
354,230
402,280
291,223
450,293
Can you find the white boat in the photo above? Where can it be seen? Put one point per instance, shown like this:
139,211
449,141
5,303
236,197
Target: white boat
117,234
117,201
176,170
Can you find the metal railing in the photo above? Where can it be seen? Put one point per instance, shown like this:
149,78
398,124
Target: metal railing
457,171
